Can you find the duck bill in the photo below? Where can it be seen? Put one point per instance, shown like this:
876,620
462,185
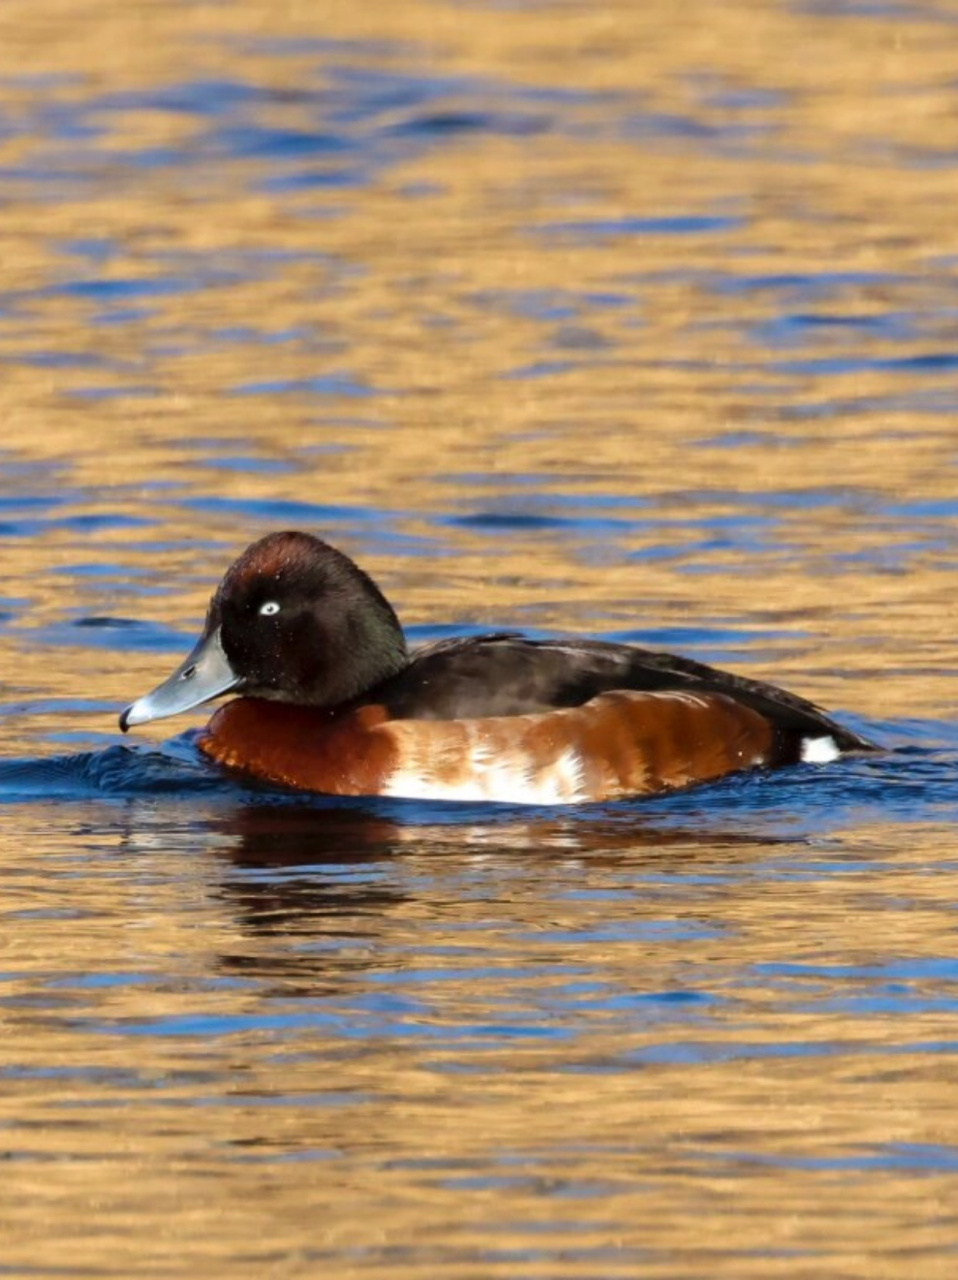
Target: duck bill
204,674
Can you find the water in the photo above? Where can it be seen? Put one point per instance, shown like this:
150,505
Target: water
573,318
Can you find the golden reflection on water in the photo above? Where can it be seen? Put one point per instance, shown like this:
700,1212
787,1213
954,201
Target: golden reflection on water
390,290
717,1137
243,1042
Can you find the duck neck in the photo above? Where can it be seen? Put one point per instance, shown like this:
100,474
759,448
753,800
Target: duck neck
373,647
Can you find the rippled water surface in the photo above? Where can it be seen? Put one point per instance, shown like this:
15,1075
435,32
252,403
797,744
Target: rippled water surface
631,320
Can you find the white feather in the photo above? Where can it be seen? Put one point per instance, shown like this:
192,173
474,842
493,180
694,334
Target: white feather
508,779
820,750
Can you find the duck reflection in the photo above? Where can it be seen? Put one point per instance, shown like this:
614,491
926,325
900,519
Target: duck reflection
292,835
332,885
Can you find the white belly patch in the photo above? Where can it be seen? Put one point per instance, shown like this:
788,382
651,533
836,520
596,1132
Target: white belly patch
485,774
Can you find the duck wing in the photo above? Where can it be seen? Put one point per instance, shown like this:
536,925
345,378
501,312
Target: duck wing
506,674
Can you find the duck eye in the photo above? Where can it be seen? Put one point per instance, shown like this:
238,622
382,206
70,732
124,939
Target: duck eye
268,609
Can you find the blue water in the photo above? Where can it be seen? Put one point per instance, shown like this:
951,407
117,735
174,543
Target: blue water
576,320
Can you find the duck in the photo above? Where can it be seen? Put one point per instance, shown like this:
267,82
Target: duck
331,699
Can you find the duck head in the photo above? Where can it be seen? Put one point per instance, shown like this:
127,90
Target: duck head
294,620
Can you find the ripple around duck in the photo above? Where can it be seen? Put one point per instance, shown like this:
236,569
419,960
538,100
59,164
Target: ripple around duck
909,784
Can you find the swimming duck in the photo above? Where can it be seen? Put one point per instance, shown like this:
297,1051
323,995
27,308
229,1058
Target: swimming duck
331,699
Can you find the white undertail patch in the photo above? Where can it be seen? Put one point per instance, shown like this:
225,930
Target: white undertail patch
820,750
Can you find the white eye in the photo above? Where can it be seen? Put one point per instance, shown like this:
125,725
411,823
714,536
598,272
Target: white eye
268,609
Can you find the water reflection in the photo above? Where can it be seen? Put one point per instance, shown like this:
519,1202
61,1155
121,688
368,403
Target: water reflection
573,318
301,871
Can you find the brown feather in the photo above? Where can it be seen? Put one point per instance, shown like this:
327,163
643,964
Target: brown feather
618,744
304,747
